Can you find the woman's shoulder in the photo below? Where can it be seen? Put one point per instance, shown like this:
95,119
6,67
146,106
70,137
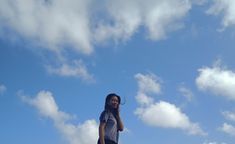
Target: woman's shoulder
104,112
104,115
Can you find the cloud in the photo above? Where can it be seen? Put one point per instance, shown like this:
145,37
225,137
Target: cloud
2,89
51,22
144,99
166,115
217,80
226,8
160,114
214,143
77,69
229,115
210,143
187,93
84,23
85,133
229,129
159,17
149,83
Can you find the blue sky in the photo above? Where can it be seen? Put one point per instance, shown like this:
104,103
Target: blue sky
171,61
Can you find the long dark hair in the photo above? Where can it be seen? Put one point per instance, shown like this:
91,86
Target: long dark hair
108,98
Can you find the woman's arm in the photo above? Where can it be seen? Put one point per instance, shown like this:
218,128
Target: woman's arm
119,121
102,132
120,124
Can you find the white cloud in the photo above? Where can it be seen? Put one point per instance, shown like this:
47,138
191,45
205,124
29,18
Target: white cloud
229,115
166,115
160,114
2,89
149,83
85,133
159,17
225,8
52,22
229,129
214,143
210,143
77,69
143,99
217,80
163,17
187,93
82,23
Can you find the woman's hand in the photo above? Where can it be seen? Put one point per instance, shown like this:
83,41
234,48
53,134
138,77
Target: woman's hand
119,121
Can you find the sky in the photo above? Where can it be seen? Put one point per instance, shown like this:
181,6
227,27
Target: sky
171,61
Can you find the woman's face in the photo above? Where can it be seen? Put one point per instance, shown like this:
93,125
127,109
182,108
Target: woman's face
114,102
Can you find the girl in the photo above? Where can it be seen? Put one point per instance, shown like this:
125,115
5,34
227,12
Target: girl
110,121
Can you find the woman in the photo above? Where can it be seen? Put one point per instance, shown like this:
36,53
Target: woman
110,121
